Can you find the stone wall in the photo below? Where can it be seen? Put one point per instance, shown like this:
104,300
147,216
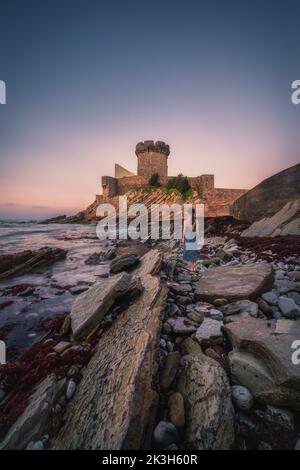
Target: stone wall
202,183
219,201
152,162
270,196
109,186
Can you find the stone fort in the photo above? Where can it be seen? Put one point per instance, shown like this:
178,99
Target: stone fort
152,157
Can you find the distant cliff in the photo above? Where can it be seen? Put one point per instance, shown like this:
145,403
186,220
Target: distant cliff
269,196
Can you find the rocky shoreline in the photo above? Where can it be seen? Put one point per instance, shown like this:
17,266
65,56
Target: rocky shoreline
156,357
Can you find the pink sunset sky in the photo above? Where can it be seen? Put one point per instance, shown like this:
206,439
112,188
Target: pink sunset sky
86,82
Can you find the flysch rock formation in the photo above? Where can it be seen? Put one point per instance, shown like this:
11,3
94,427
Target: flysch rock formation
115,404
261,359
284,222
234,282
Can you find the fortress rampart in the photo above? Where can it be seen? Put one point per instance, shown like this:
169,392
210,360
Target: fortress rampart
152,157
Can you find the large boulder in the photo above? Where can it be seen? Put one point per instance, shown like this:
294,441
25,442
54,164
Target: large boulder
235,282
207,395
116,402
261,359
90,307
284,222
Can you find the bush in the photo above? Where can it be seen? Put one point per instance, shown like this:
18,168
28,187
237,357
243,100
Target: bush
180,183
154,180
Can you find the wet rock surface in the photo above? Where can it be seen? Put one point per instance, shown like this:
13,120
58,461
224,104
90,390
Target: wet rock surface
27,261
90,307
163,368
117,385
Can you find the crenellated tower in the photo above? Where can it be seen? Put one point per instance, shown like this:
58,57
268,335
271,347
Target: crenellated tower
152,158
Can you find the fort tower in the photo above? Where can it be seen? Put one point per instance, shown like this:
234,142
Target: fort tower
152,158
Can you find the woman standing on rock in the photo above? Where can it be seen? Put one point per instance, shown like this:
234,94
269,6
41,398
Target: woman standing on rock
190,250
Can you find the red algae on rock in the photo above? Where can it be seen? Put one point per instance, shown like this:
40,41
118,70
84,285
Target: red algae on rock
271,248
20,378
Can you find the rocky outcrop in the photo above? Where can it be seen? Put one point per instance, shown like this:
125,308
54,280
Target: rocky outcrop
27,261
284,222
234,282
262,359
115,404
269,197
207,395
78,218
91,306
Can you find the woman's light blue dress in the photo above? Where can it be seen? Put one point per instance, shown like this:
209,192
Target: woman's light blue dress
188,254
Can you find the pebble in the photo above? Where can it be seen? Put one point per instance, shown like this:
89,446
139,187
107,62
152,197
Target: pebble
277,417
294,275
172,310
196,317
71,388
210,330
165,434
220,302
37,445
169,371
216,314
271,298
265,307
73,370
288,307
61,346
167,328
241,397
295,296
182,325
176,410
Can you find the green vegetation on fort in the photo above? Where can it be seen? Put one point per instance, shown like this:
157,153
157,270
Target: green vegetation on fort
154,180
181,184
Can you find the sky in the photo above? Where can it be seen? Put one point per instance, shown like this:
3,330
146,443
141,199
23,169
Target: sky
88,79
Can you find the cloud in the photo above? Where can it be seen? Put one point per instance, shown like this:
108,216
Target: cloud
10,204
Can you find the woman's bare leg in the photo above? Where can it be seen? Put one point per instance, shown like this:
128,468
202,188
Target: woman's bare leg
192,266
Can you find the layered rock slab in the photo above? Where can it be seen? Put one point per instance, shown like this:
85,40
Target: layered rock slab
90,307
205,388
34,420
262,359
235,282
115,404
